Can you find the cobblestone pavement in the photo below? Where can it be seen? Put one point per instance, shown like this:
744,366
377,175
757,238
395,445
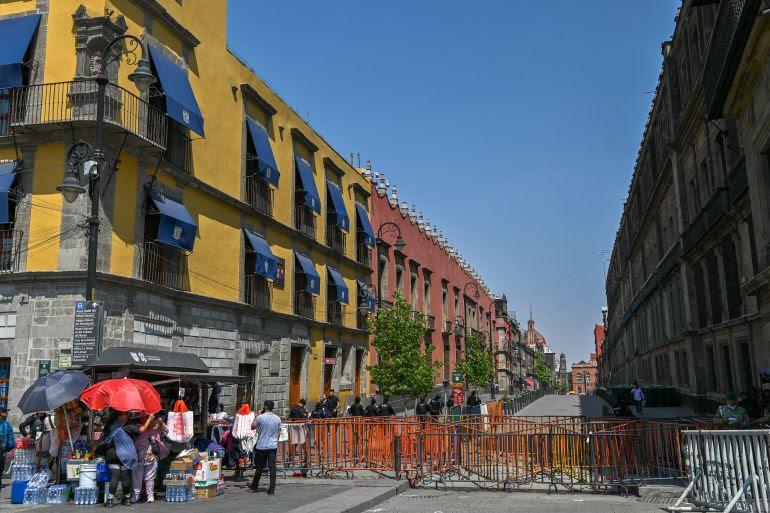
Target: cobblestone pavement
590,406
432,501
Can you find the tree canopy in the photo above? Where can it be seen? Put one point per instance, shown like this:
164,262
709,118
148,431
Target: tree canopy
403,366
542,372
478,365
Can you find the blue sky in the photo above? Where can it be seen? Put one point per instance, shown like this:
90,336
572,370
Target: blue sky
513,125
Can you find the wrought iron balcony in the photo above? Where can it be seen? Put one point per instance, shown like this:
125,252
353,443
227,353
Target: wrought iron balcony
179,147
304,221
258,194
164,265
364,255
361,319
258,291
304,304
74,103
430,321
732,28
10,250
335,239
335,313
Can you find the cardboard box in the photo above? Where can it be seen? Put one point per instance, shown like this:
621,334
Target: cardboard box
182,465
206,492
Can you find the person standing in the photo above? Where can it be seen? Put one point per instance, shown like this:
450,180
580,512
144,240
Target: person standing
473,400
7,440
149,449
638,395
436,406
730,414
299,411
268,426
119,453
356,410
332,402
385,409
372,410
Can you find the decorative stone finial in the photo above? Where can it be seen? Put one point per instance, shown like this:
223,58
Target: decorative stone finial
413,214
404,208
393,197
420,222
382,187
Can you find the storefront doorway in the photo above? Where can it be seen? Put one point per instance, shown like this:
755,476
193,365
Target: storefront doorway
295,373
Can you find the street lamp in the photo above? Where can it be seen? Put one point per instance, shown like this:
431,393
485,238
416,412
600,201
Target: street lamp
71,188
399,244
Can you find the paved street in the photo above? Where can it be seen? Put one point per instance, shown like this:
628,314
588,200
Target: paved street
432,501
590,406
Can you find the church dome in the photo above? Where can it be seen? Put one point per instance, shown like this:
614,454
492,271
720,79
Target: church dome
532,337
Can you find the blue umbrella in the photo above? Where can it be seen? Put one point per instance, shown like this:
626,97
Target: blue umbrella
53,390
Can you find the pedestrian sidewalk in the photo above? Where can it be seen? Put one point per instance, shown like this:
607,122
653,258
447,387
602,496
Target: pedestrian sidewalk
292,495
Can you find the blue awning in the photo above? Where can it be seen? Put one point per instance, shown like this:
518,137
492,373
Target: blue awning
7,176
343,221
266,263
311,199
15,36
339,282
177,227
308,267
267,168
363,218
181,104
365,295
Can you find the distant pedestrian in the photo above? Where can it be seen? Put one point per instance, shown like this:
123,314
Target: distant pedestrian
422,409
436,406
386,410
318,411
356,410
7,440
372,410
332,402
268,426
638,395
299,411
473,400
730,414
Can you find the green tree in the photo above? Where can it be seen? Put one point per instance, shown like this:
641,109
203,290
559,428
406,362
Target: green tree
542,372
478,365
403,367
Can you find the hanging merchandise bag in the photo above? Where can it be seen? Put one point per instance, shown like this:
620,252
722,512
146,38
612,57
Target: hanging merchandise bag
180,423
242,423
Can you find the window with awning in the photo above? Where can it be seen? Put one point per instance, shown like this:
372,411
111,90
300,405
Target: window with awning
342,221
181,104
310,198
267,169
339,284
15,37
266,263
7,177
307,267
176,228
366,226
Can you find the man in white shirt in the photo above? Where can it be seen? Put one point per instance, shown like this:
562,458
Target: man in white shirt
268,426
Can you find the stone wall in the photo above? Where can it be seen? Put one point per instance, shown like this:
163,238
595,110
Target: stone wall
37,317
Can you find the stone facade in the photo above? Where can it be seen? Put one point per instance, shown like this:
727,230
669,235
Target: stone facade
685,283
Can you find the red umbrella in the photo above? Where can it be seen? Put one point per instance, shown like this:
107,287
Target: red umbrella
122,394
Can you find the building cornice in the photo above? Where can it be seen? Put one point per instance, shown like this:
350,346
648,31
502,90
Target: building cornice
154,8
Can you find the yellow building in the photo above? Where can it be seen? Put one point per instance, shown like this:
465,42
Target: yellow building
228,227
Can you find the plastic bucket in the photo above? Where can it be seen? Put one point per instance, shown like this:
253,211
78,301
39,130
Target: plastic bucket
88,475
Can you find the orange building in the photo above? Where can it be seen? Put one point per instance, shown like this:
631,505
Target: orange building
584,376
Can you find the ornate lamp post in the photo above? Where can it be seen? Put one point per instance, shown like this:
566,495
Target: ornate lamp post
71,187
399,244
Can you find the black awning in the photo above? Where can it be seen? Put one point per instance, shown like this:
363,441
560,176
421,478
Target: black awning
192,377
143,358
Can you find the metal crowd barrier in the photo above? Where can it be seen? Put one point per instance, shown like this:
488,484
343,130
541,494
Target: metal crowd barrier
496,451
728,471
